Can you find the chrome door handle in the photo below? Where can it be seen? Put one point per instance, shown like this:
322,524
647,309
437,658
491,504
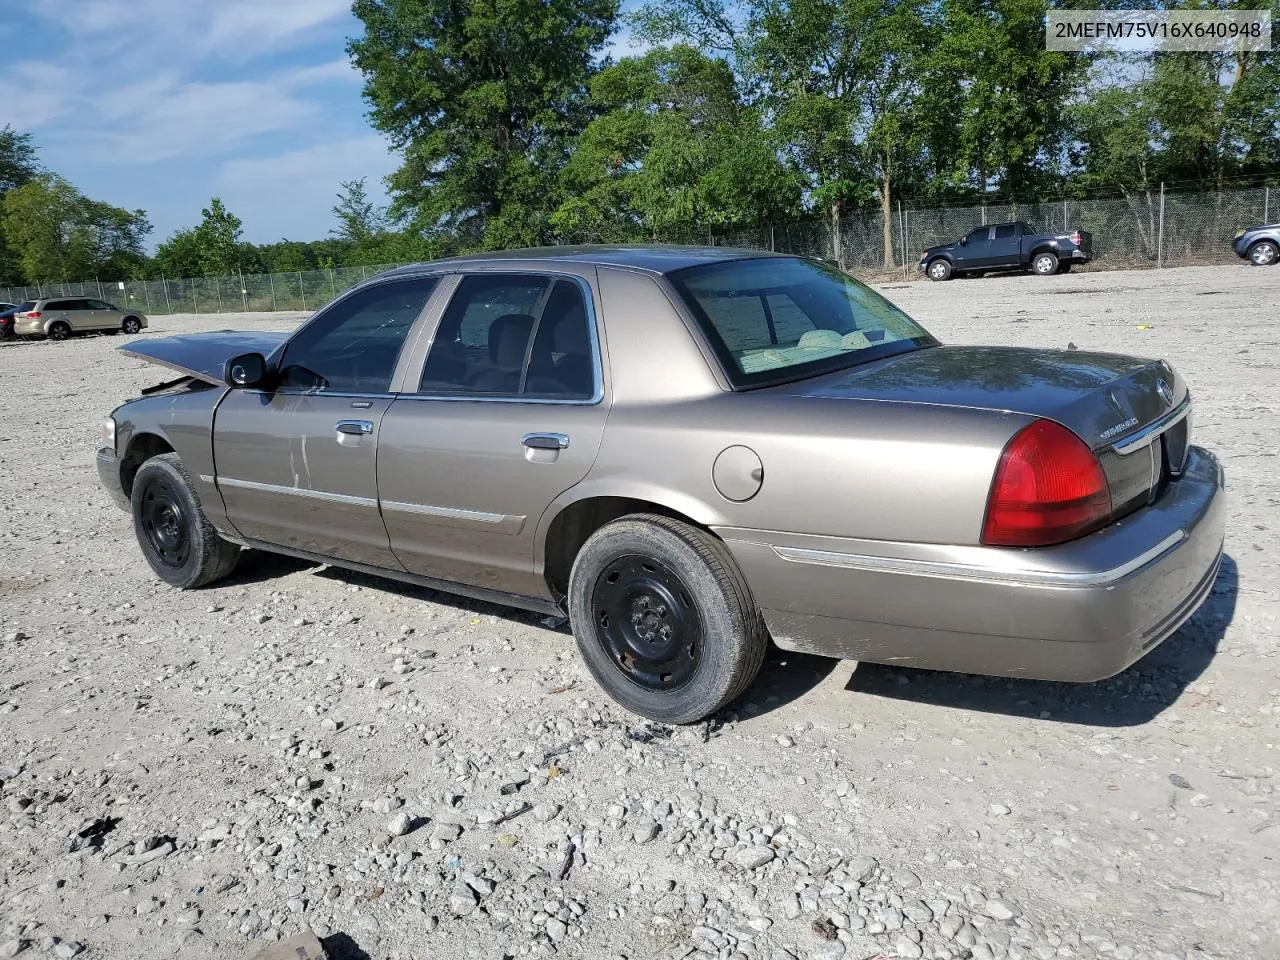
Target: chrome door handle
545,441
357,428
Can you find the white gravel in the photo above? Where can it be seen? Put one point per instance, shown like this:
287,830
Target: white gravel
411,775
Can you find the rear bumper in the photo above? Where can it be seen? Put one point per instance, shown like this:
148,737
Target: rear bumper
109,475
28,328
1081,611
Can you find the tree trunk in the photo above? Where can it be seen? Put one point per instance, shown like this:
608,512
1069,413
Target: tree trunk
837,242
886,212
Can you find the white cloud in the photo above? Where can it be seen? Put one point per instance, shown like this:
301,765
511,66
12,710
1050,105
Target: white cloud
290,194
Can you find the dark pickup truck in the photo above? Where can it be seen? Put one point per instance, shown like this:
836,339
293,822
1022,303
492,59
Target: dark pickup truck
1007,246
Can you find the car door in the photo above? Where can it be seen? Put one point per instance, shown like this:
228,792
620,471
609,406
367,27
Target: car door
103,315
66,310
296,465
1002,251
973,252
507,414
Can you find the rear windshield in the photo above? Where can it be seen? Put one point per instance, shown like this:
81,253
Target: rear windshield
772,320
26,305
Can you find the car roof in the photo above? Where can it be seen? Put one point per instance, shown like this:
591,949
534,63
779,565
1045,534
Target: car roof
655,258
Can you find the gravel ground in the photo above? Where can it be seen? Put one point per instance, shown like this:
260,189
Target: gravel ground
411,775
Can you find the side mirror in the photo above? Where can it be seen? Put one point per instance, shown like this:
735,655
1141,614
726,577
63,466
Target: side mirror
245,371
964,241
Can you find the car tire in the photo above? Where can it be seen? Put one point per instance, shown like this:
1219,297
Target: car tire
175,536
59,331
939,270
131,325
1045,264
651,584
1264,253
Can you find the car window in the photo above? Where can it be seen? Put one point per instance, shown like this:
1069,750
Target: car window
1006,231
353,346
981,233
99,305
826,320
513,335
63,305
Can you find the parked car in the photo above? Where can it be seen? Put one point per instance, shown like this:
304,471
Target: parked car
688,451
59,317
7,311
1005,246
1259,245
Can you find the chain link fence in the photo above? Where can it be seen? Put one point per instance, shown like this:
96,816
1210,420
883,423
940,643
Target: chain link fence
1150,229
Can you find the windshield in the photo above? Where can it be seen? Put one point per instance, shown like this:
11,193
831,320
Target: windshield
26,305
776,319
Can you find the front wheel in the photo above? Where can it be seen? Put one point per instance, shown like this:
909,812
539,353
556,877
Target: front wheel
1045,264
664,619
939,270
176,538
1264,253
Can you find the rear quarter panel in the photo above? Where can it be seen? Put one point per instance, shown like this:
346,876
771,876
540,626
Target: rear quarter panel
831,467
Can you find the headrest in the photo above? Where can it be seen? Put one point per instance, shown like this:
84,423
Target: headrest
508,338
819,340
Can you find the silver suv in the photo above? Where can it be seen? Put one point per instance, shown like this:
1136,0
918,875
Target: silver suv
59,317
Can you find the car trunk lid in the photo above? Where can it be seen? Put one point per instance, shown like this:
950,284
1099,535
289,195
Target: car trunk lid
1132,412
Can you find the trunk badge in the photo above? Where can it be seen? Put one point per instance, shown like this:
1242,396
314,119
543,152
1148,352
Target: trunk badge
1164,390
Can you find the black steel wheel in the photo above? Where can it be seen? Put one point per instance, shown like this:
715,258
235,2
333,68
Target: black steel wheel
173,532
647,622
164,522
664,619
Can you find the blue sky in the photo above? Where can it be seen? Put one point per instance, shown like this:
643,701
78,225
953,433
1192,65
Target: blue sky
161,104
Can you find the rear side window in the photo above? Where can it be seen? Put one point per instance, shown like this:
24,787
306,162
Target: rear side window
64,305
1006,232
353,346
513,335
775,319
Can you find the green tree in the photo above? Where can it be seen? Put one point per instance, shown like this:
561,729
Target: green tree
672,146
1011,114
18,165
359,220
58,234
179,256
484,99
222,251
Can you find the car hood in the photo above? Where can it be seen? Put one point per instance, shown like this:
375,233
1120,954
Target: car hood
203,355
1103,397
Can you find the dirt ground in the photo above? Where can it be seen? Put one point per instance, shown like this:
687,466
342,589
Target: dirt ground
199,773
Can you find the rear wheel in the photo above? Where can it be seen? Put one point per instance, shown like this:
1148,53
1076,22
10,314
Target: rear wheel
939,270
131,325
59,331
176,537
664,619
1264,253
1045,263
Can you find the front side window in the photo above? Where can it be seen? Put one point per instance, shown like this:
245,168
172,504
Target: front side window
353,346
513,335
775,319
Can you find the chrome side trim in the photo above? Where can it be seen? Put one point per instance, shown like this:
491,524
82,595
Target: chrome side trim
966,571
1147,435
299,492
453,513
205,478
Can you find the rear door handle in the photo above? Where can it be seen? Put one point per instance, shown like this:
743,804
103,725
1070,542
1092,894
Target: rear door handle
545,441
357,428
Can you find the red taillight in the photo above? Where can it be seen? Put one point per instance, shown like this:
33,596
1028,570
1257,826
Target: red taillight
33,315
1076,238
1048,488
